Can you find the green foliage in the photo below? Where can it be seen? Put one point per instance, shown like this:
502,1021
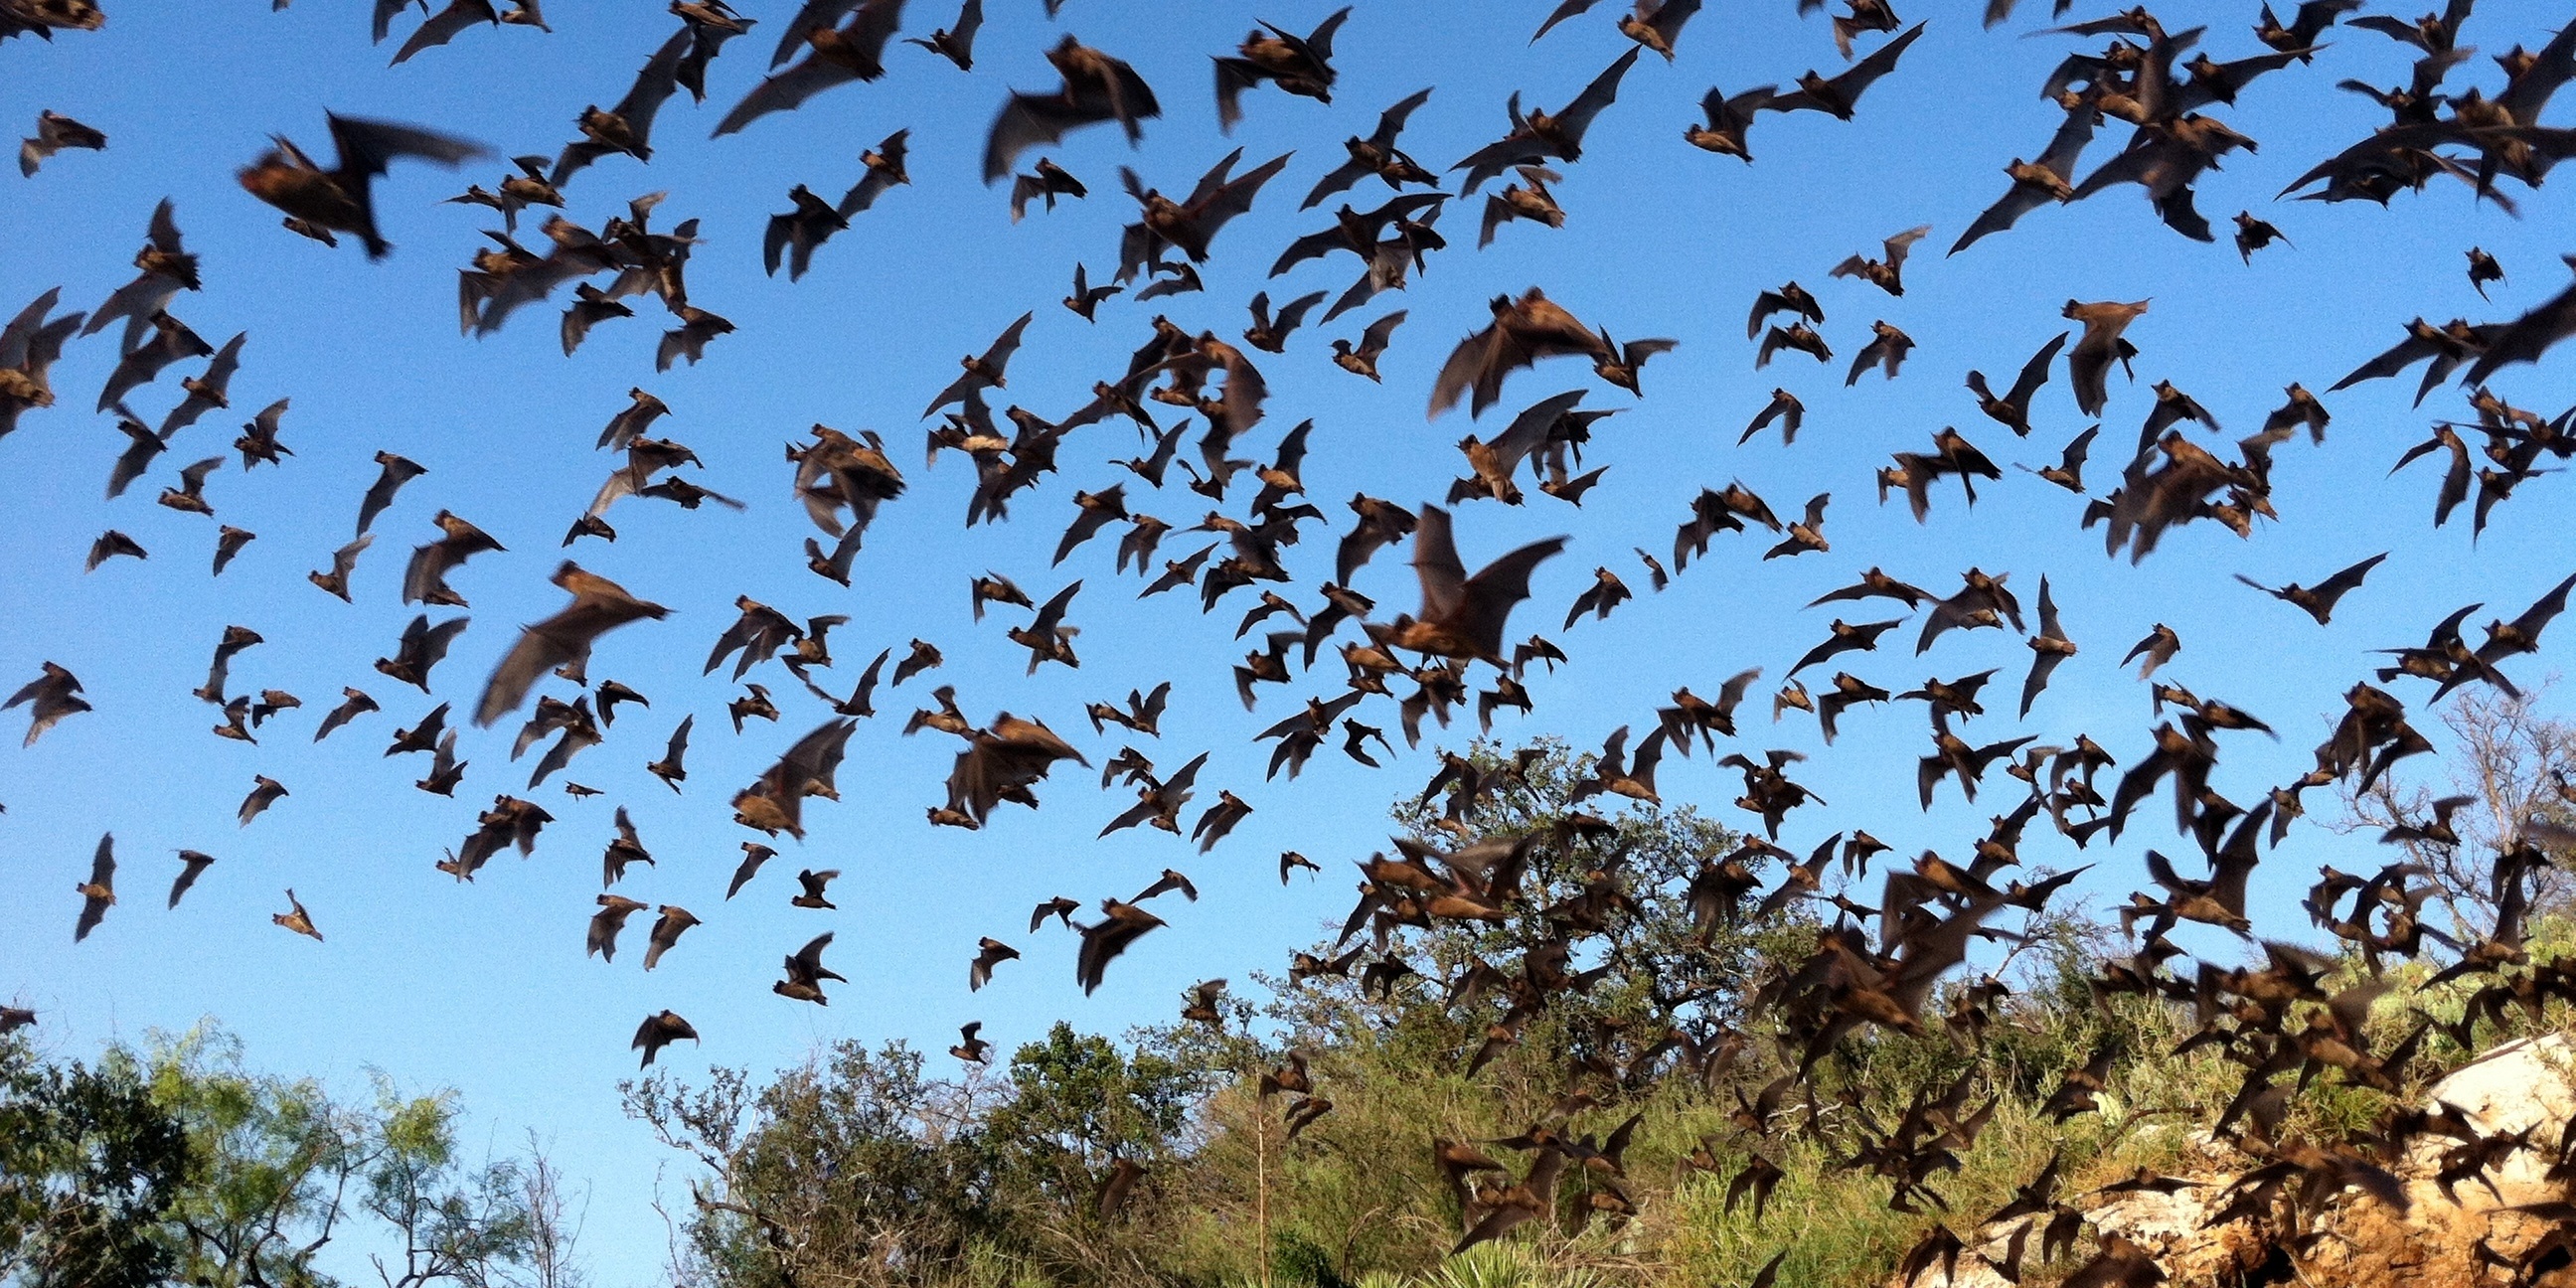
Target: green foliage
1078,1103
1356,1200
90,1167
849,1161
176,1164
1664,968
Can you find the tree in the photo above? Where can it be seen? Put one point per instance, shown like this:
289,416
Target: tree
176,1164
90,1166
2511,765
842,1171
1077,1104
1621,885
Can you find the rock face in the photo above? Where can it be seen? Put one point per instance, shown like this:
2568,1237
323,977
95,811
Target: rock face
2526,1086
2521,1087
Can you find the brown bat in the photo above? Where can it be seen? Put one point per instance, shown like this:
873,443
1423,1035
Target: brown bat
29,344
296,919
839,55
1523,331
1529,199
55,132
1463,617
1376,155
208,391
1541,136
956,42
1362,360
1188,225
1086,298
989,370
2088,364
806,973
2253,234
812,884
2012,411
989,952
171,342
1096,88
1049,181
797,232
341,198
2049,647
1103,941
2051,178
1299,65
425,577
1839,95
264,792
1270,333
192,863
658,1031
395,471
563,640
2483,269
2319,601
112,544
1886,350
1886,274
192,488
99,892
1729,118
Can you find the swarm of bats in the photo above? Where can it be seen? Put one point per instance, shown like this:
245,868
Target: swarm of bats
2163,108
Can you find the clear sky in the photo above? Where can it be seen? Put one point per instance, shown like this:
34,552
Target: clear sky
484,987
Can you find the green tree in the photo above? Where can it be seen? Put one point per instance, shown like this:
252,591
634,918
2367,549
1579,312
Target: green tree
177,1164
1077,1104
90,1166
1620,881
849,1169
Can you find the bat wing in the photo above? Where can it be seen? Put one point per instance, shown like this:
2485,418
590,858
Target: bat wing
1530,428
1569,9
1310,246
653,86
1339,179
1007,343
1374,340
1499,587
2397,358
785,91
2034,373
385,11
817,15
367,147
1866,72
1235,196
1319,42
2335,587
2041,666
537,652
1517,148
2531,335
1029,120
1293,314
445,25
1390,123
1577,116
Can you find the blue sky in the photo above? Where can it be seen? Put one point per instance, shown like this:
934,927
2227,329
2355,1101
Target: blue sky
483,987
